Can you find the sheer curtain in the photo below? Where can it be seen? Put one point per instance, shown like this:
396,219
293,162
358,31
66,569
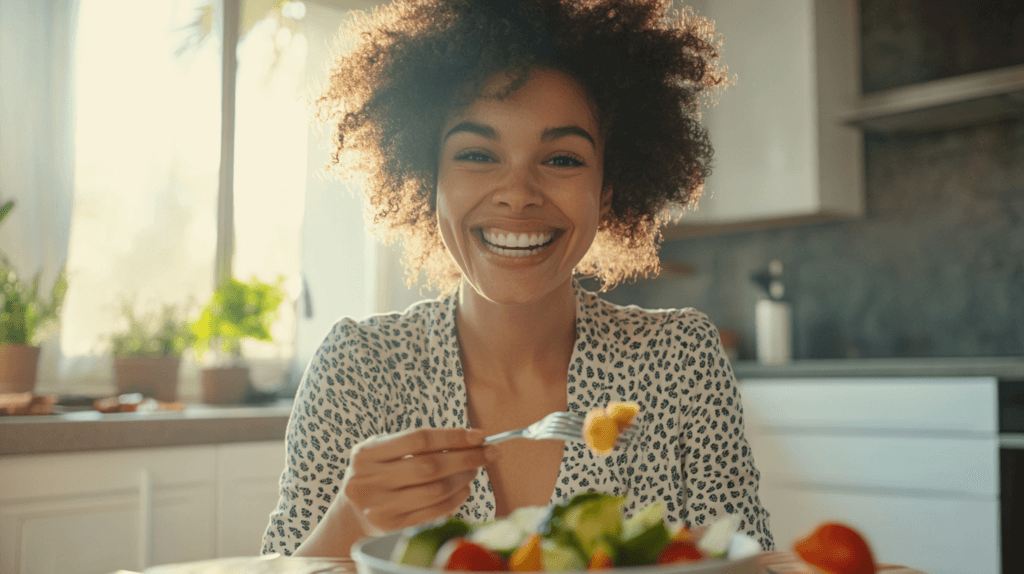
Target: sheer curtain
36,159
114,106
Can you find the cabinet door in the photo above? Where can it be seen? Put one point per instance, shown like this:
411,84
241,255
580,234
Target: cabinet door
80,535
100,512
911,463
932,534
248,486
781,153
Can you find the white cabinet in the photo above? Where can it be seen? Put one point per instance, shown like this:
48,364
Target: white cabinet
248,477
911,463
782,153
98,512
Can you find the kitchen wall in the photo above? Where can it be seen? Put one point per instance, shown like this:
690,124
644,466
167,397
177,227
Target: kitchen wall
936,267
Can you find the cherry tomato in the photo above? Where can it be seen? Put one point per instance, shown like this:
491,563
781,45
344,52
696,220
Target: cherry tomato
836,549
680,551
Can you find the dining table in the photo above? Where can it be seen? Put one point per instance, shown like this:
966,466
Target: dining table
766,563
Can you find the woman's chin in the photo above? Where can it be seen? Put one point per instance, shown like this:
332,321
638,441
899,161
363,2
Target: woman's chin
518,288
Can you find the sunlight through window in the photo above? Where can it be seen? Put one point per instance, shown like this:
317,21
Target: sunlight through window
147,151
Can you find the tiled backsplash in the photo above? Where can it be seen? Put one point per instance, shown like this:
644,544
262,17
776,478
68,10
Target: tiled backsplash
935,268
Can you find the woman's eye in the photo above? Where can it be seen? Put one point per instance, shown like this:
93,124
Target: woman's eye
474,156
564,161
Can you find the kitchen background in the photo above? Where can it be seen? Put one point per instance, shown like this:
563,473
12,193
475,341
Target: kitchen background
935,268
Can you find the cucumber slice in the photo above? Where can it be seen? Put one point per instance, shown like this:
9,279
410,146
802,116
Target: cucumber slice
557,557
417,547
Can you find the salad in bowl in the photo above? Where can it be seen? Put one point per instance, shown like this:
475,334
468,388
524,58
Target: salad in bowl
588,532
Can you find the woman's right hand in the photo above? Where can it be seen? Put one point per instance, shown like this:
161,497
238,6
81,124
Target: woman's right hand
398,480
404,479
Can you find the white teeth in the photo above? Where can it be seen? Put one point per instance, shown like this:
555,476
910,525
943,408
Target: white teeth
513,252
519,241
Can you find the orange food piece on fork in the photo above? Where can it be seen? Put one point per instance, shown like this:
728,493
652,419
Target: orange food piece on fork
601,427
622,413
600,432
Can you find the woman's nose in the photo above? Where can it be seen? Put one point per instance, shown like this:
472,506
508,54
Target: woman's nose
518,189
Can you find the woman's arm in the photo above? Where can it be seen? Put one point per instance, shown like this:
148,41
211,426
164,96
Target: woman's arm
344,477
718,465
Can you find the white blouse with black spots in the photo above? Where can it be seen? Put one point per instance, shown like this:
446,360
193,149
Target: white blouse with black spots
392,372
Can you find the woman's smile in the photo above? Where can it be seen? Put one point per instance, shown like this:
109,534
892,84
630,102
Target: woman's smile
513,244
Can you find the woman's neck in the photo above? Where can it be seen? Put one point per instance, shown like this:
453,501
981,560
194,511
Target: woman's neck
514,347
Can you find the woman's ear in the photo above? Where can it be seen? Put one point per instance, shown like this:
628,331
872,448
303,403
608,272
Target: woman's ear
606,201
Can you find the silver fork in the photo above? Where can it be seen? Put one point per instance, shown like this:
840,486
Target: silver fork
562,426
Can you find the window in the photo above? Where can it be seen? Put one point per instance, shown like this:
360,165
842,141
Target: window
111,137
144,229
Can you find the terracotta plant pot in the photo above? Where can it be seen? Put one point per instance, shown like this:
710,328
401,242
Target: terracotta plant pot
155,377
225,385
18,367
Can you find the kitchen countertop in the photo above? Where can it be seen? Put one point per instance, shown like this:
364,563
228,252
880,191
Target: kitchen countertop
91,430
1004,368
205,424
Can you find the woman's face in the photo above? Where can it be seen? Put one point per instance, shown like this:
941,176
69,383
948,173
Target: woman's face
519,188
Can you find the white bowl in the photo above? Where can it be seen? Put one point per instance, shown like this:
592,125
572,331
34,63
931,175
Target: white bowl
373,556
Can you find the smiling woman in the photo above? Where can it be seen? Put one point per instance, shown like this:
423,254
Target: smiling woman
512,145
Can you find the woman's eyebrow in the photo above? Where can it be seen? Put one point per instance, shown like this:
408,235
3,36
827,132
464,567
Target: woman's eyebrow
473,128
551,134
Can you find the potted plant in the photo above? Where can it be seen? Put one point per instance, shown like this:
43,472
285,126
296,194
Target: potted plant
236,311
147,354
26,320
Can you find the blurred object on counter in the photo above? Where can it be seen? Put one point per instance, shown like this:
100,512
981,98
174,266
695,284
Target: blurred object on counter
26,404
134,403
772,317
730,343
254,396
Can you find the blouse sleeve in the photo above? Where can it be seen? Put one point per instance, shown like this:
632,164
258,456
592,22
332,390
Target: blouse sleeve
333,411
718,464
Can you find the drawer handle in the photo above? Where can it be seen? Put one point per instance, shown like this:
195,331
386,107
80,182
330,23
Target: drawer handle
1011,441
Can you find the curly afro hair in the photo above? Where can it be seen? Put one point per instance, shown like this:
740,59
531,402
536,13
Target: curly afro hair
412,64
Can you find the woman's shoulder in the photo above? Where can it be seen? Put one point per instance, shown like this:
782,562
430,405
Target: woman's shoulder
684,321
385,330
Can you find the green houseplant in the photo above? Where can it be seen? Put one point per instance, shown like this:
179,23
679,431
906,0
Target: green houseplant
147,353
236,311
27,318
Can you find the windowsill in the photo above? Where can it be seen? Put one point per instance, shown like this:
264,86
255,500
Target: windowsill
196,424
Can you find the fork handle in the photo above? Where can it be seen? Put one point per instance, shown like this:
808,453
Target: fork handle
503,436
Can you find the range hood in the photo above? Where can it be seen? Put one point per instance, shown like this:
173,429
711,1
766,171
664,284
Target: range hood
955,102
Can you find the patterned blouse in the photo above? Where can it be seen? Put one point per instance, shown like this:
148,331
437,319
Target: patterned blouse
396,371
